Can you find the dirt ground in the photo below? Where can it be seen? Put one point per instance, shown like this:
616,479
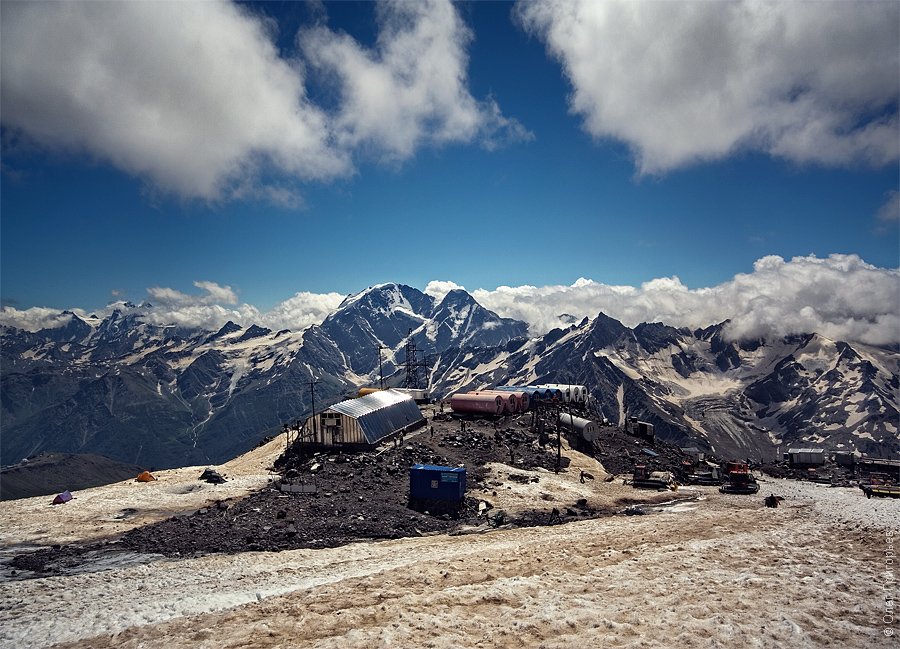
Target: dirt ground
182,563
512,480
721,571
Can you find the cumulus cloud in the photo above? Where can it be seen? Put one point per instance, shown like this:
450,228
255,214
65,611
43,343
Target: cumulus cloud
213,294
439,288
411,89
195,98
219,304
683,82
35,318
209,310
192,96
840,297
302,310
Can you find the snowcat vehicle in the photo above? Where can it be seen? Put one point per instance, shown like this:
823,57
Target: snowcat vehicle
740,480
644,478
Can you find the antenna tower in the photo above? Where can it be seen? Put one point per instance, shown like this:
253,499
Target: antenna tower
413,364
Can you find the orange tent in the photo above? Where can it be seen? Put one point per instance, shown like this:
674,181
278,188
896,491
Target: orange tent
146,476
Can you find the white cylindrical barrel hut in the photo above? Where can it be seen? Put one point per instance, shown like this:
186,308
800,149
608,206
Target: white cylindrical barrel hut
474,403
586,428
564,390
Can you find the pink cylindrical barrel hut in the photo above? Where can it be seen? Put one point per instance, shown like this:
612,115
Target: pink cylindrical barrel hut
510,403
517,398
476,403
524,399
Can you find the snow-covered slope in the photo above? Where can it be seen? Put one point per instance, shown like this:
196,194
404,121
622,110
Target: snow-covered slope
742,398
166,395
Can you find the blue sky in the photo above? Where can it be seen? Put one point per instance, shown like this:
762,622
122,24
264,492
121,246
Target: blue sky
532,145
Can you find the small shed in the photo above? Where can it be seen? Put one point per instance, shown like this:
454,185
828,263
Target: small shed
366,421
418,395
806,456
431,484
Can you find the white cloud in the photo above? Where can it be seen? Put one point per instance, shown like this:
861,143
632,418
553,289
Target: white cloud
209,310
301,310
35,318
213,294
219,304
192,95
195,98
438,288
411,89
889,211
683,82
218,294
840,297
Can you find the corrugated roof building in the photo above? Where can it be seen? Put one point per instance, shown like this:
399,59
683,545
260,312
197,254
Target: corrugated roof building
807,456
366,421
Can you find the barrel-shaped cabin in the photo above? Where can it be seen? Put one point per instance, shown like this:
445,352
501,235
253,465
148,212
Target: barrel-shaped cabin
584,428
511,403
570,393
520,393
538,394
473,403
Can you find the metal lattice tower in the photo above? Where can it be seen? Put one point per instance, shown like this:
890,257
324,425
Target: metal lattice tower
413,364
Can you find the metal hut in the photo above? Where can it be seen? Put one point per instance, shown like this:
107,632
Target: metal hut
521,394
806,456
566,392
585,428
476,403
571,393
511,401
538,393
436,488
364,422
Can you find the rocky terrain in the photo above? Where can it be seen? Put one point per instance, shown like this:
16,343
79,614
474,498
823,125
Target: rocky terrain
365,495
51,473
697,569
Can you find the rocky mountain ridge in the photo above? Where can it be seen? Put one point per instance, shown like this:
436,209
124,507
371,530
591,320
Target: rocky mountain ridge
168,395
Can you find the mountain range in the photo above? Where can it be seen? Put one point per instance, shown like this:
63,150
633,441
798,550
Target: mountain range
163,396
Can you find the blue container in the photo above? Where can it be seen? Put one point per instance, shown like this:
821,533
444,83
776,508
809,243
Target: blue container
429,482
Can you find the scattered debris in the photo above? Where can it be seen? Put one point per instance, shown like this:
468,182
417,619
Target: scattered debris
212,476
644,478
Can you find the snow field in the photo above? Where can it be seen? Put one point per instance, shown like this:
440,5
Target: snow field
724,571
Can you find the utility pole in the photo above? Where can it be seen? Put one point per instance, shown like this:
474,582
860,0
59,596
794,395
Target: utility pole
312,396
558,442
380,368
